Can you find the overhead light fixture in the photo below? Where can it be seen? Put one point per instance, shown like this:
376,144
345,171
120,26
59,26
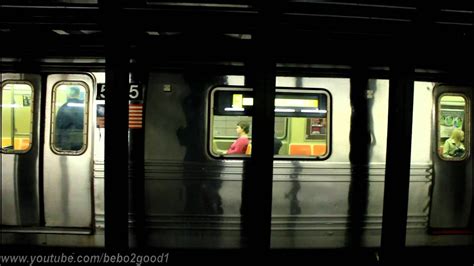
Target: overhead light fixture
246,36
234,109
313,111
75,104
89,31
153,33
61,32
9,105
285,110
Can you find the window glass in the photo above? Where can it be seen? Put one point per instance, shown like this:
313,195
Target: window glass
306,113
227,131
69,118
452,125
301,122
17,117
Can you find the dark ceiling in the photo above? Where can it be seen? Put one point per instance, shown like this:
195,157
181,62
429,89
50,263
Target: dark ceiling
326,31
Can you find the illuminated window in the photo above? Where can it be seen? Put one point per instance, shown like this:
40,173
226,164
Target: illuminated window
230,107
452,125
301,122
69,118
308,126
17,116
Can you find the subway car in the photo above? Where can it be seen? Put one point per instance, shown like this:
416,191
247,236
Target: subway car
53,178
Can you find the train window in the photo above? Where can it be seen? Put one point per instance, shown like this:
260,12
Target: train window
307,113
69,118
452,124
17,116
231,121
301,122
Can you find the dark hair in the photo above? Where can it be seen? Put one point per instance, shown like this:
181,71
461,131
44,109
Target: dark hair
245,126
74,92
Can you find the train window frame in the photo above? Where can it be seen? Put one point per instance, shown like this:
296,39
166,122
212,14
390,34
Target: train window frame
53,115
32,115
282,91
307,92
467,133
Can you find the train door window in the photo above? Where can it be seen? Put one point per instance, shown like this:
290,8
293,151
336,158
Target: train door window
17,117
293,110
453,127
69,118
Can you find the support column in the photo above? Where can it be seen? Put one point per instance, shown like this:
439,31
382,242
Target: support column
258,180
397,173
116,123
136,148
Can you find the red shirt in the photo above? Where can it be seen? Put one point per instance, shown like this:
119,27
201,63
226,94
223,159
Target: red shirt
239,146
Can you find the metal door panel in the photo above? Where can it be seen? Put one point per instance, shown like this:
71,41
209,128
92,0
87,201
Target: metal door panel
68,181
20,177
451,205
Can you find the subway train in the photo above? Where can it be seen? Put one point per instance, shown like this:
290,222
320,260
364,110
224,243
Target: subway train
53,178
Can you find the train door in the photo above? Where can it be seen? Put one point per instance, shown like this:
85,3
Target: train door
20,108
68,151
451,205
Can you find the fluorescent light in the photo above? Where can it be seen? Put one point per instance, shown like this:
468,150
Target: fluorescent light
313,111
246,36
285,110
234,109
89,31
75,104
61,32
10,105
153,33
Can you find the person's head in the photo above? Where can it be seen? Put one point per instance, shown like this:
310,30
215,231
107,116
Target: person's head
243,127
457,135
74,93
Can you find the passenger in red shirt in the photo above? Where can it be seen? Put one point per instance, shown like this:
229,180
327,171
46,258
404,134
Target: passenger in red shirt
240,144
